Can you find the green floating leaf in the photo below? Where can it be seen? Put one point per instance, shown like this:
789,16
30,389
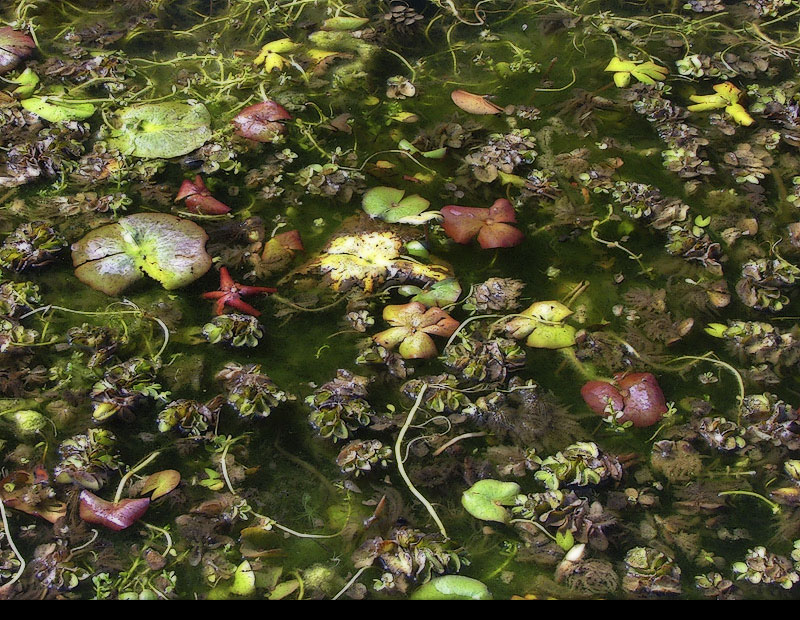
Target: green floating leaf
161,483
162,130
388,204
28,81
162,246
343,23
543,325
244,580
452,588
440,294
51,107
486,499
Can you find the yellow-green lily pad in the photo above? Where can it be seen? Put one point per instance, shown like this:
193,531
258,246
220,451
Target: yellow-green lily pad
486,499
166,248
161,130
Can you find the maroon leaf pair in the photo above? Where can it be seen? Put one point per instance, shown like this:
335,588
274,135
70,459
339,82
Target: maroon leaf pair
491,225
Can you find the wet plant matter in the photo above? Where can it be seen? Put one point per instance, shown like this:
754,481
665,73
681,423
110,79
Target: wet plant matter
254,344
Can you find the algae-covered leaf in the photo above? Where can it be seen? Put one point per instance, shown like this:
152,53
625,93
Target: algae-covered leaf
167,248
486,499
162,130
53,108
452,588
244,580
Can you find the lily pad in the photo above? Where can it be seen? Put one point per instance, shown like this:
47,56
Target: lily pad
162,246
390,205
162,130
486,499
452,588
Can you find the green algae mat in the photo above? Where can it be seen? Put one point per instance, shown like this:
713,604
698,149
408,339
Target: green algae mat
423,299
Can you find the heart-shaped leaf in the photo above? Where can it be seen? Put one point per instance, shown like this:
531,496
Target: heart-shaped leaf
486,499
164,130
389,205
162,246
260,122
161,483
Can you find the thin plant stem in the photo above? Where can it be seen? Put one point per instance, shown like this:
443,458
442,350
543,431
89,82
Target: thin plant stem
141,465
400,467
11,544
353,579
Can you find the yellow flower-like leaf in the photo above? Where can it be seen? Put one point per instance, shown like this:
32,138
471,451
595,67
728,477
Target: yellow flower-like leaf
542,323
726,96
271,55
645,72
412,326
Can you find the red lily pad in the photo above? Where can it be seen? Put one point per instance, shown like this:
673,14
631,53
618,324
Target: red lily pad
260,122
492,226
15,46
115,516
199,199
645,404
637,395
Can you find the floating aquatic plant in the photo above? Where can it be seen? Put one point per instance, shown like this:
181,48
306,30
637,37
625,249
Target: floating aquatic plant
161,130
635,398
261,121
390,205
413,325
542,325
644,72
166,248
230,294
492,225
199,199
726,96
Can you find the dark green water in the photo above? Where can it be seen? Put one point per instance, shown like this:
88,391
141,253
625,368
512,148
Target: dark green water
643,284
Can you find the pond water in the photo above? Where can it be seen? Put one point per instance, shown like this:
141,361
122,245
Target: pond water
522,318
